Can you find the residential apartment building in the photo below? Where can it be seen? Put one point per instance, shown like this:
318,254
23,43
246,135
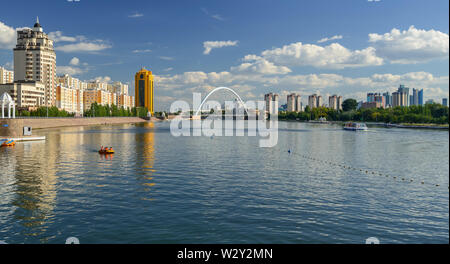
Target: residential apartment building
271,100
35,60
70,99
312,101
6,76
294,103
69,81
335,102
27,95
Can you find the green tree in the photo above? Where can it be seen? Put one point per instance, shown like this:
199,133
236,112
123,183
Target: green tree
349,104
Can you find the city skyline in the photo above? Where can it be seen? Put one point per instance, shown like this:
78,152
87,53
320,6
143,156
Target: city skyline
320,56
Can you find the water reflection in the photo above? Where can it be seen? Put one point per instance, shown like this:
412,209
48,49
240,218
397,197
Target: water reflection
35,186
145,151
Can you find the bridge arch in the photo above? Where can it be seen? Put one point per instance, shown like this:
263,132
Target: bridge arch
222,88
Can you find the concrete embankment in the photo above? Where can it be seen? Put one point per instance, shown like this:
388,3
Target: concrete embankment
14,127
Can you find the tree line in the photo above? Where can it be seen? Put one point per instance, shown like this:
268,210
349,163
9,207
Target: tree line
428,113
96,110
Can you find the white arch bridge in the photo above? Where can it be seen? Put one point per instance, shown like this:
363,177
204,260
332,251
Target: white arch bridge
218,89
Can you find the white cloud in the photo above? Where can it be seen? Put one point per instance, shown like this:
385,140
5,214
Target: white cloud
166,58
83,47
333,56
104,79
57,36
209,45
142,51
256,64
331,38
69,70
74,61
411,46
7,36
82,44
136,15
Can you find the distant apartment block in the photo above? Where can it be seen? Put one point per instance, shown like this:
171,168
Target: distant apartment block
376,97
315,101
6,76
26,95
68,81
70,99
367,105
335,102
271,100
294,103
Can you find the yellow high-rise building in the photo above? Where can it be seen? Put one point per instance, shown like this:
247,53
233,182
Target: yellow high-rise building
143,92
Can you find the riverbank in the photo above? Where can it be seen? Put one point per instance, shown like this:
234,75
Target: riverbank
15,127
41,123
381,124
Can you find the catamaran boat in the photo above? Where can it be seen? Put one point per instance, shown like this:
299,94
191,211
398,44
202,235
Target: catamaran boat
355,126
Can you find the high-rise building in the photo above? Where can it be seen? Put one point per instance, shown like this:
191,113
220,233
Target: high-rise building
294,103
291,103
405,94
414,99
6,76
319,101
312,101
97,85
387,99
144,89
444,102
376,98
70,99
35,60
68,81
420,95
298,103
335,102
271,100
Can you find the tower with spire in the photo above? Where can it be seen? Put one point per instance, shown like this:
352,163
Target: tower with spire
35,60
37,27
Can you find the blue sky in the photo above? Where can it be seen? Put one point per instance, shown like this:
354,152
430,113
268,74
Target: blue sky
256,46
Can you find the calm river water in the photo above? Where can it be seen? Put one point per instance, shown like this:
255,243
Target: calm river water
163,189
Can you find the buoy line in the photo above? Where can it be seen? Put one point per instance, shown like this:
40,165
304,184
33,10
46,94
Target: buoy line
366,171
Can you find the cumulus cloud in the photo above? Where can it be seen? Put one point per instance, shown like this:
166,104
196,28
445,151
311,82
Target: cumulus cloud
256,64
105,79
57,36
333,56
75,67
7,36
60,70
74,61
330,38
411,46
82,44
209,45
